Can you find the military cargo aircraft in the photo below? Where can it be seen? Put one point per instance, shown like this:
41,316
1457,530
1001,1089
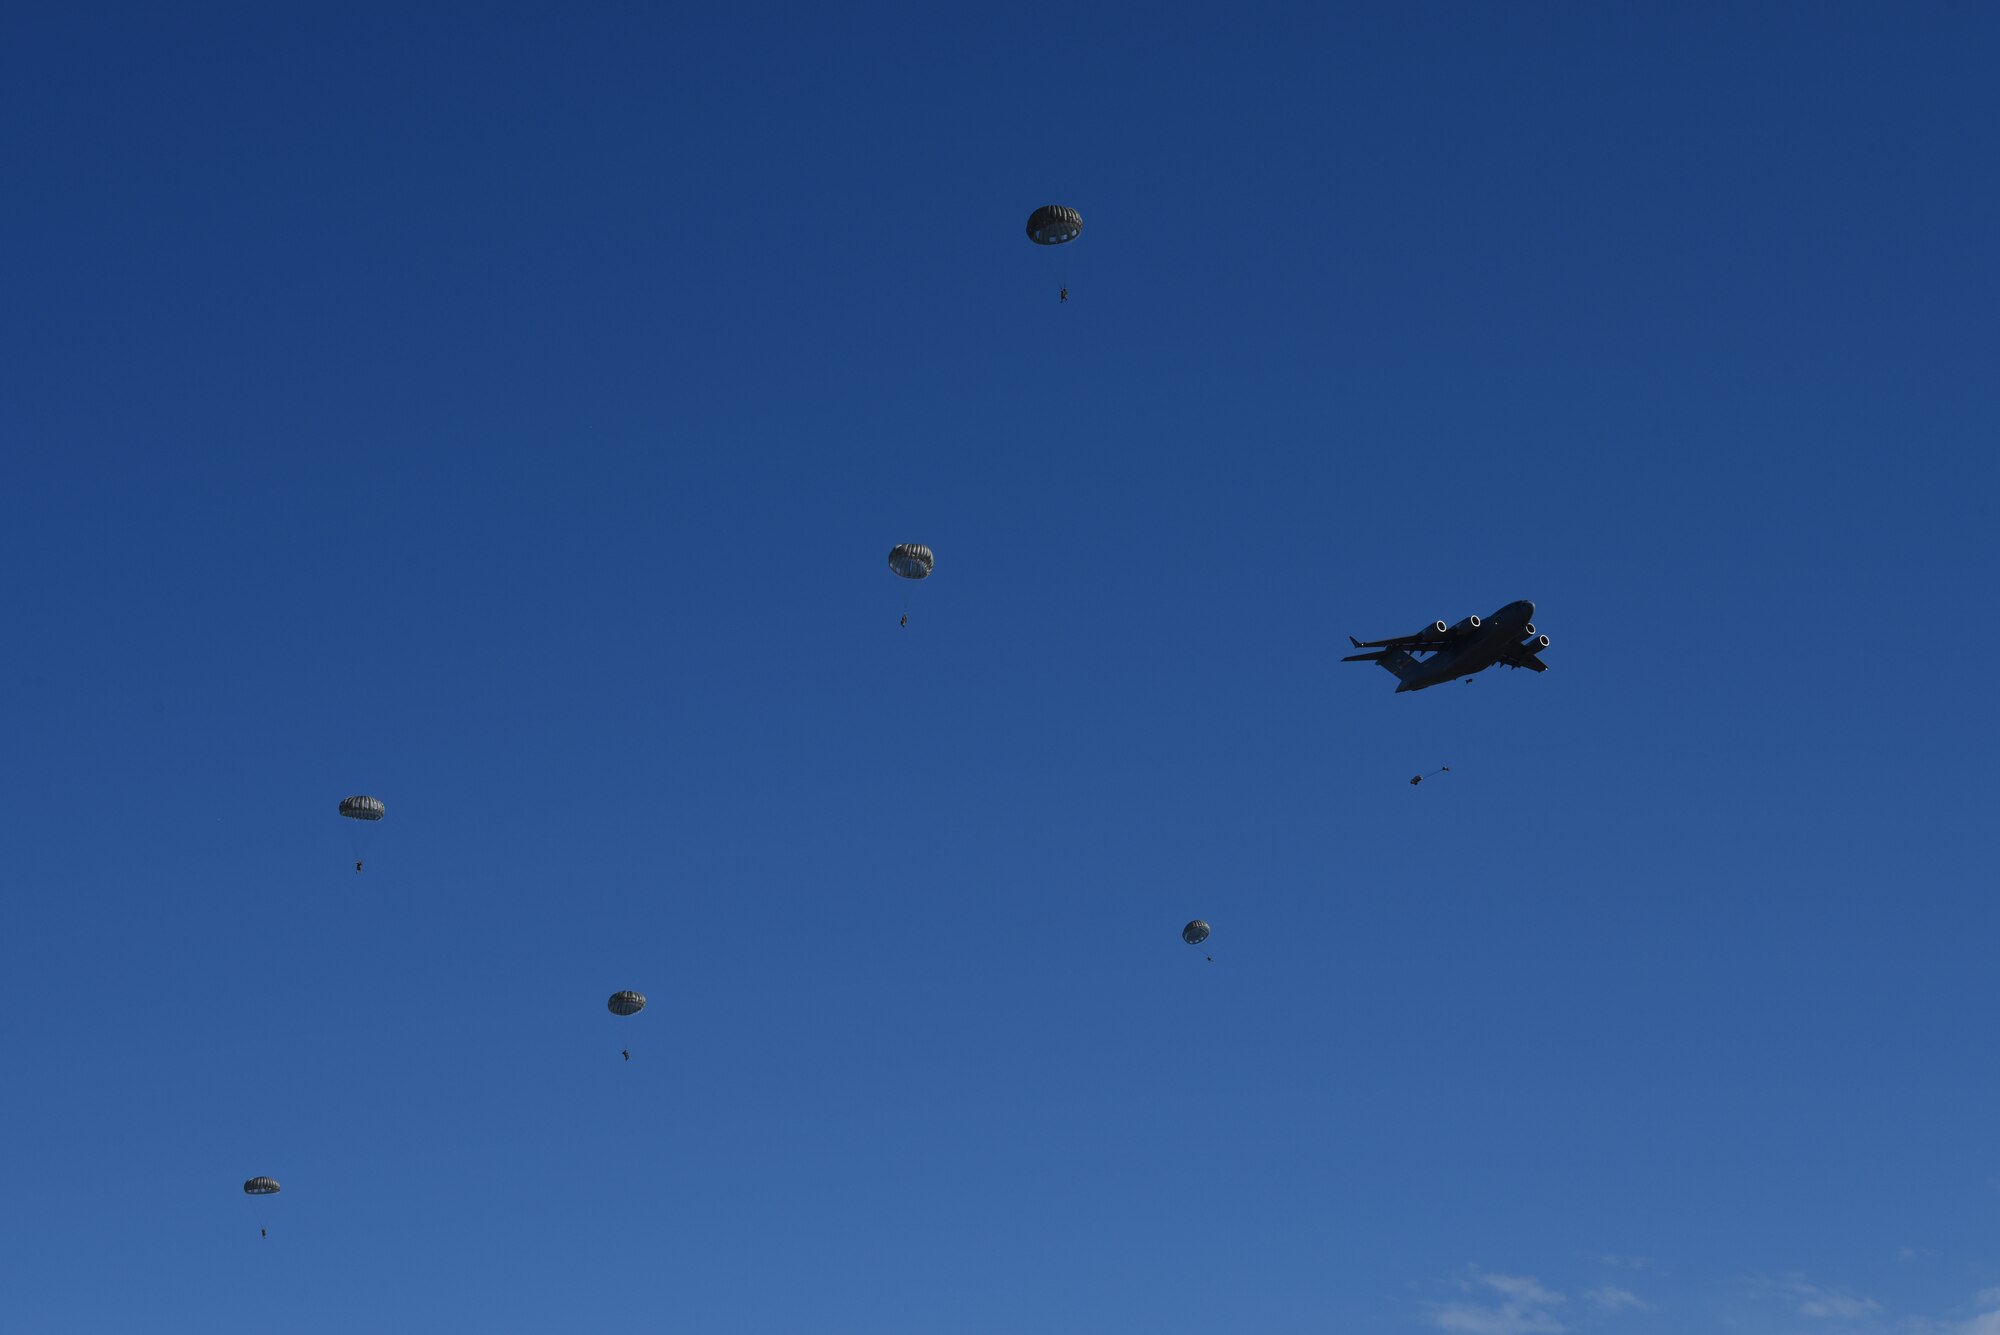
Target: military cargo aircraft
1508,636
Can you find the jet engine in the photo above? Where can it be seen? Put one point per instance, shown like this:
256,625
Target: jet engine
1437,630
1470,623
1528,629
1534,644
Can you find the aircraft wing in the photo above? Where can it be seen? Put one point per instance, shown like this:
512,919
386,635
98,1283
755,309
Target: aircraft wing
1424,640
1522,658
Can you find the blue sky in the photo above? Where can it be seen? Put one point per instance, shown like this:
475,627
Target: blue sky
506,411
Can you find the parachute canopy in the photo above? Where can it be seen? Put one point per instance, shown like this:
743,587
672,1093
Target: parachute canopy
911,560
361,808
626,1003
1052,224
261,1186
1195,932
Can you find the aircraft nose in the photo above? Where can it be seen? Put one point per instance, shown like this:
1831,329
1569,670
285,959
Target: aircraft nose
1527,610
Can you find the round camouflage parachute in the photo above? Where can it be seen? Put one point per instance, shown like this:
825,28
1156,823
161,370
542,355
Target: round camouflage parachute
362,808
1052,225
1195,932
911,560
626,1003
261,1186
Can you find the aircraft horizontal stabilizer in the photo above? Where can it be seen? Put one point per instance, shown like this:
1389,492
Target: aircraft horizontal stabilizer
1399,662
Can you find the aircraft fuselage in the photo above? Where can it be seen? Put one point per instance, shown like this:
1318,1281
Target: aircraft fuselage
1474,650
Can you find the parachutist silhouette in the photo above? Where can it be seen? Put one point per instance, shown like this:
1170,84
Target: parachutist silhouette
357,866
1064,296
627,1052
906,619
1209,958
263,1232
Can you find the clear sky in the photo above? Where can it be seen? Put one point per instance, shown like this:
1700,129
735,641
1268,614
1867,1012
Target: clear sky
506,411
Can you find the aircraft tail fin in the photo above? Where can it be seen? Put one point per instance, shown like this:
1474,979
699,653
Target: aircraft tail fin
1399,662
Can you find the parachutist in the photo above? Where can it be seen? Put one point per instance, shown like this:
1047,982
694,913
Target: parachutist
906,619
1209,958
357,867
1064,296
627,1053
263,1232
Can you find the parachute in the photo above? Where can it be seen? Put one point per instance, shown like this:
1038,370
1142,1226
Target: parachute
626,1003
361,807
1416,779
253,1191
911,560
1195,932
1052,225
